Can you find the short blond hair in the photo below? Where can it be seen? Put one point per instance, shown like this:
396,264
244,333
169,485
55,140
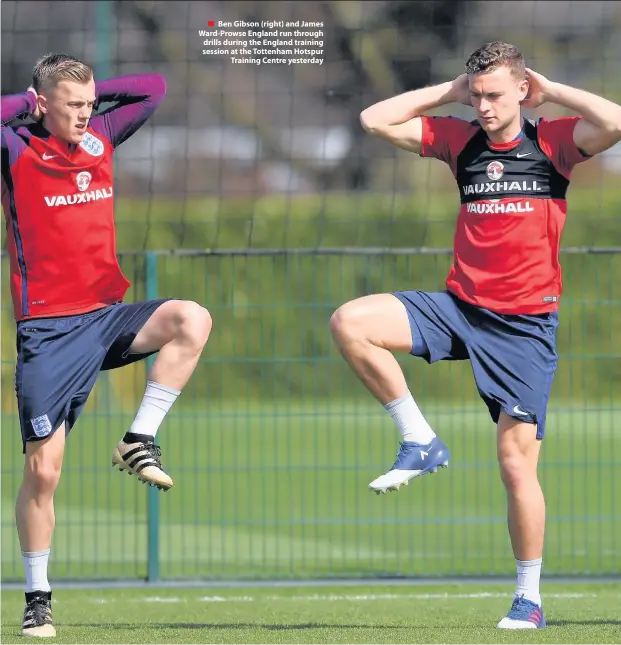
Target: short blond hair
53,68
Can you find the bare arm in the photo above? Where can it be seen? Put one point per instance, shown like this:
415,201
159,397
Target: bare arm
396,119
600,127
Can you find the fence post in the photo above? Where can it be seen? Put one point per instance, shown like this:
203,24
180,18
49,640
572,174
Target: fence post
103,17
153,499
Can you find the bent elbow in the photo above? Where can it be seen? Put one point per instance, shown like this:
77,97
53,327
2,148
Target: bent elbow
159,85
367,122
154,86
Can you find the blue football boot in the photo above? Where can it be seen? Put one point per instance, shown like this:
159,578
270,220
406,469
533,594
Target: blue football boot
524,614
412,461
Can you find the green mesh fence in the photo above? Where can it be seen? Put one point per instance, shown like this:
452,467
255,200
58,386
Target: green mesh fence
273,442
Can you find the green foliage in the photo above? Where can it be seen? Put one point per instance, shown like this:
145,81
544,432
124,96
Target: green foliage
334,220
271,334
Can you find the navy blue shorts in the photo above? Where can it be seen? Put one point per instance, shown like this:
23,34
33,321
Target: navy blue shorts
513,357
58,360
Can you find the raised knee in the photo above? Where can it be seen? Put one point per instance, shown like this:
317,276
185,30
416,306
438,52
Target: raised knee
347,322
194,322
42,475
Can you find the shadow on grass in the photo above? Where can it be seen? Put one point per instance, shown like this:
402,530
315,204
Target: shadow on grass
226,626
565,623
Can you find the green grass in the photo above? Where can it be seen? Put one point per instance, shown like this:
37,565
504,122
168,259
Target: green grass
280,490
580,613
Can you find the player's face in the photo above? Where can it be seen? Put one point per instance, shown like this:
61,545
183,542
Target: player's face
67,108
496,97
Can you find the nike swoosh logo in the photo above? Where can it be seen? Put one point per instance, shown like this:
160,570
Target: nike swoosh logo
519,156
519,410
45,156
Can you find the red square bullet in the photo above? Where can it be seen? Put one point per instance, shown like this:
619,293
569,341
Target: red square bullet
211,23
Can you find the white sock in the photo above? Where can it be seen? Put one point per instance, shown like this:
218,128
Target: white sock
35,566
409,420
156,403
528,574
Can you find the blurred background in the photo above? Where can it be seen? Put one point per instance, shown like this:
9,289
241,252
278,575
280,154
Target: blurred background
255,191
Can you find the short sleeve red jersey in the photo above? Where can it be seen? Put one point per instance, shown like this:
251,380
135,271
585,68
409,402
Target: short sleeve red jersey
513,210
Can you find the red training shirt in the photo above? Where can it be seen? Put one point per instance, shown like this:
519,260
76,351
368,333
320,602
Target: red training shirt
58,202
513,210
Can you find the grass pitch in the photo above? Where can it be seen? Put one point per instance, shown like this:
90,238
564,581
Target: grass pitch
443,613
